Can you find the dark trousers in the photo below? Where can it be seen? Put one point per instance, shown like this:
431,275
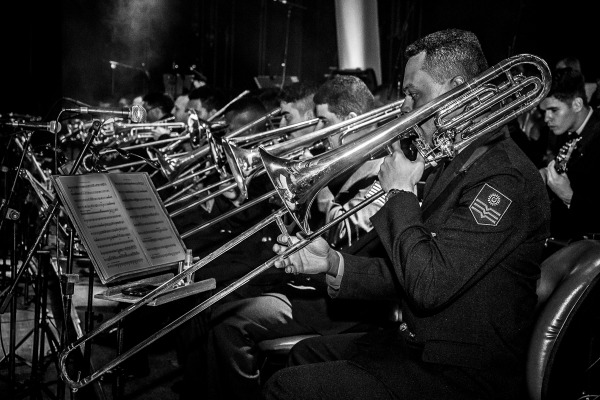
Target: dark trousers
375,365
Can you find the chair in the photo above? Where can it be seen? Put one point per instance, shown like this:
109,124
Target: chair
563,339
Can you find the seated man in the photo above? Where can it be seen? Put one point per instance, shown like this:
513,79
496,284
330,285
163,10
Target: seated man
243,112
466,279
206,101
566,111
180,107
302,307
297,105
158,106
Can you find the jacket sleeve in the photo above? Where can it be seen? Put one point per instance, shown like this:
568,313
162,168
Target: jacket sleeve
431,263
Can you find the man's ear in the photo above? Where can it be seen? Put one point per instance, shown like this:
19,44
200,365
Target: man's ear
310,114
212,112
577,104
350,115
457,81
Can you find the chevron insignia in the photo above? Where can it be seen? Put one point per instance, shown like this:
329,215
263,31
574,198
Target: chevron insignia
489,206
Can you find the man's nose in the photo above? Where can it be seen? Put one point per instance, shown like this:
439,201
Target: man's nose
406,107
546,117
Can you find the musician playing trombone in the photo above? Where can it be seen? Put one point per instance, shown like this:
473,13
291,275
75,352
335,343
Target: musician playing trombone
302,306
464,264
297,105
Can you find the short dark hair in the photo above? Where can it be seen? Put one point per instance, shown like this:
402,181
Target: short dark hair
211,97
570,62
567,84
269,97
159,100
450,53
344,94
251,103
301,93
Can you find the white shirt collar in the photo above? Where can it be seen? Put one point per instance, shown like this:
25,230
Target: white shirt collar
580,129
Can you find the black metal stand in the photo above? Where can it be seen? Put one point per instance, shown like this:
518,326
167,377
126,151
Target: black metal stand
7,294
290,6
42,333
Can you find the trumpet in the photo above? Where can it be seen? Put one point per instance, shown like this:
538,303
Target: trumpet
466,111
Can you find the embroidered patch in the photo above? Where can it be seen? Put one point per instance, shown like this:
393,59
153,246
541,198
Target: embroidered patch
489,206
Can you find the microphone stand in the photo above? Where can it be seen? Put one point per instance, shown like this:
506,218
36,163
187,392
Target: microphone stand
7,213
287,37
7,294
4,214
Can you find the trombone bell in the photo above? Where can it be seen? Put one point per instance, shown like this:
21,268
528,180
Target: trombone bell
471,110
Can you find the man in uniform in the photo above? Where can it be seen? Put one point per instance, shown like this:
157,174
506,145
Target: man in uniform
464,265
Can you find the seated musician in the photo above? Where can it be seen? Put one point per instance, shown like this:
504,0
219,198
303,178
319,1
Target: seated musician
575,214
206,101
297,105
228,364
464,264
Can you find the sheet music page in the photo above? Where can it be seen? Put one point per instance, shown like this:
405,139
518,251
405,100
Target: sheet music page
124,228
156,232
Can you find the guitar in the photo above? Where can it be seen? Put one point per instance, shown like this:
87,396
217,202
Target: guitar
564,154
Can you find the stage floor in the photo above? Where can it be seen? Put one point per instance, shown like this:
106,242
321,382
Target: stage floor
159,381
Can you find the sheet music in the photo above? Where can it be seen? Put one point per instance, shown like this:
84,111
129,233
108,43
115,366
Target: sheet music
121,222
155,230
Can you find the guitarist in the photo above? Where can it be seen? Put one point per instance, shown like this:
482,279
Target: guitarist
571,176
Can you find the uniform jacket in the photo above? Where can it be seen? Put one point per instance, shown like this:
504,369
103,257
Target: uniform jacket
464,265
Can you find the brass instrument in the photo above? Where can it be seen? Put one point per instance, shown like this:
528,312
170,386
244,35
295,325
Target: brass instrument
298,182
194,131
221,156
465,110
244,163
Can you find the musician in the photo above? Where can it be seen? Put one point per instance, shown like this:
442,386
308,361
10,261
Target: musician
180,106
206,101
245,111
302,306
575,213
466,278
297,105
158,106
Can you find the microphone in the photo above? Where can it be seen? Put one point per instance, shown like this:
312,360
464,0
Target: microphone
52,126
135,114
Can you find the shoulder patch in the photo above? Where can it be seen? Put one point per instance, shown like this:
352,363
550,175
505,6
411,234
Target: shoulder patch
489,206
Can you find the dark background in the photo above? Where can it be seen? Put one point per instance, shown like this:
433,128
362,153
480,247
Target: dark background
57,49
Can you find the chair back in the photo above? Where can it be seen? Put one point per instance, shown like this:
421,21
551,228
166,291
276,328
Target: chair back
568,278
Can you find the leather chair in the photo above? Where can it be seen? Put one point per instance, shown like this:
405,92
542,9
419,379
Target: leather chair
558,356
567,325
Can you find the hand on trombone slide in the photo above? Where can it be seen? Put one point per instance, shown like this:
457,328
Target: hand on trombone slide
317,257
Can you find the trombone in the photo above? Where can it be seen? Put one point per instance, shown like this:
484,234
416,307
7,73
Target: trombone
173,168
245,164
222,148
465,110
